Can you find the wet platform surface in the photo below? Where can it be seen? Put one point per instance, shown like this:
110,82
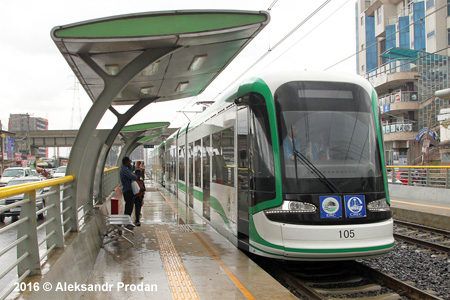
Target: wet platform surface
177,255
429,206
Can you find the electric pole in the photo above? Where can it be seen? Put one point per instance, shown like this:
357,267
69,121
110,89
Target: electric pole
1,139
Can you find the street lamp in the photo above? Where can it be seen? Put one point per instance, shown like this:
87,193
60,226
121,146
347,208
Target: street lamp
443,94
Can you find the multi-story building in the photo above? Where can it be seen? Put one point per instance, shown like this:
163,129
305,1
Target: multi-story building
403,50
24,122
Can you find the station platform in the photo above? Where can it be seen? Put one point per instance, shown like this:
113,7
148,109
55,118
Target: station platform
177,255
426,206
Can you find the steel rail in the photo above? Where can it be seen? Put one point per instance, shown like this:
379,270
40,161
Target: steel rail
395,284
423,243
423,227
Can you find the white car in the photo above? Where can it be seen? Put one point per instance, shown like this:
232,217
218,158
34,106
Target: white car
14,172
60,172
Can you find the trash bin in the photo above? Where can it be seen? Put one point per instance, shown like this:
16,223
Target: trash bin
115,206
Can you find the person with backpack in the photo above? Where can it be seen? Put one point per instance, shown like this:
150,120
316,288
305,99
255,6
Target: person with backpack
139,197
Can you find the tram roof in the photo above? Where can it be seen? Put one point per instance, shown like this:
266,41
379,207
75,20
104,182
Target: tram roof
203,43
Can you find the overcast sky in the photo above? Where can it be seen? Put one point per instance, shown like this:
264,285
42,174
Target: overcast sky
35,78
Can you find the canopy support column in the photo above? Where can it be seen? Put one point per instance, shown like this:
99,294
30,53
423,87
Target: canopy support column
87,148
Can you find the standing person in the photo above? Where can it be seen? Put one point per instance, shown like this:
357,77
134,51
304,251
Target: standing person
126,177
139,200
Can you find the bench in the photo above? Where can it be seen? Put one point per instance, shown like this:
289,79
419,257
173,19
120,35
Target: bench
116,227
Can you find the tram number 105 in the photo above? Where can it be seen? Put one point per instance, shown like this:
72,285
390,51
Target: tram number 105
346,234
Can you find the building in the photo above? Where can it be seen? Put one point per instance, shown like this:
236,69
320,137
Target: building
24,122
403,50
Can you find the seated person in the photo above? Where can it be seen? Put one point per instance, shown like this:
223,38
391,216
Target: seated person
288,145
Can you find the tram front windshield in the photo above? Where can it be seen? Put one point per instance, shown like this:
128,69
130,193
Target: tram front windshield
327,130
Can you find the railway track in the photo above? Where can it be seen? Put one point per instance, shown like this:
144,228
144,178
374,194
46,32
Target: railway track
424,236
341,280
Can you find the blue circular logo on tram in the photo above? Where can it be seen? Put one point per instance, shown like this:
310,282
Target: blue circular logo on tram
355,205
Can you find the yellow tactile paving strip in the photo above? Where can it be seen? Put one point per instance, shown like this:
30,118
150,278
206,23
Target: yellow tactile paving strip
230,274
179,280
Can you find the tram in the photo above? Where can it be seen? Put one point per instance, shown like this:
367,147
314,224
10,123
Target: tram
287,165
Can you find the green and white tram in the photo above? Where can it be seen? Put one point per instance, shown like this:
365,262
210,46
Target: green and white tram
287,165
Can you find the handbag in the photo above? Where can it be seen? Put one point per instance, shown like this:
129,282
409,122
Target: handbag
135,187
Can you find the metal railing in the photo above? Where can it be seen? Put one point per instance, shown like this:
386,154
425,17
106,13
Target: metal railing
428,176
394,66
35,242
30,236
110,181
397,97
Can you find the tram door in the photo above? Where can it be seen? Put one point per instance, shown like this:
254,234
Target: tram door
191,174
206,177
243,177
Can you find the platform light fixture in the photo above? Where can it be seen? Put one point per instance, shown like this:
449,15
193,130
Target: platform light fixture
182,86
112,70
147,91
197,62
151,70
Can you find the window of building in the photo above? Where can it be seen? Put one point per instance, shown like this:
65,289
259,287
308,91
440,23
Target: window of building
448,8
362,47
362,19
448,36
362,68
430,3
430,34
419,26
379,15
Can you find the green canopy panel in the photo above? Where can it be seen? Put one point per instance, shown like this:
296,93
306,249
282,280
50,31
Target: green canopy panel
144,130
201,43
399,53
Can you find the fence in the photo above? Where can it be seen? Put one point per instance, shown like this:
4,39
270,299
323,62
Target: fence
428,176
35,242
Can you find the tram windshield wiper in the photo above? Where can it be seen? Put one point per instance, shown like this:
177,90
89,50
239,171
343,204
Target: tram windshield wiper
311,167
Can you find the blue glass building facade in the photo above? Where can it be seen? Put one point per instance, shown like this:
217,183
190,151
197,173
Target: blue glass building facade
419,27
371,44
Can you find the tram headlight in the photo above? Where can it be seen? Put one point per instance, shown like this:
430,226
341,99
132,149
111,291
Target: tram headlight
378,205
293,207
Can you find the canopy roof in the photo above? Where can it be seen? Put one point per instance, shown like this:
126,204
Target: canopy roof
200,44
147,132
399,53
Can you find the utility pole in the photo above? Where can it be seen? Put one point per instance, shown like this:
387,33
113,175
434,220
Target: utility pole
1,139
28,135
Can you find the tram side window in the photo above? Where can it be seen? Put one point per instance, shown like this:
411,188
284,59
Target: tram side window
197,163
181,164
223,157
206,163
262,162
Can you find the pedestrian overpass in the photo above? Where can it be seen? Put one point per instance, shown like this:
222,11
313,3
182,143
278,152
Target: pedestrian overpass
130,60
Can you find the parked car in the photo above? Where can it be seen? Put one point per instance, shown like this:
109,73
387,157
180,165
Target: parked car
396,181
402,176
14,213
60,172
13,172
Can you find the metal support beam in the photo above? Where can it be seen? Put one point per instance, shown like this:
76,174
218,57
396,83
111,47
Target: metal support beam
29,247
121,122
56,238
85,145
130,145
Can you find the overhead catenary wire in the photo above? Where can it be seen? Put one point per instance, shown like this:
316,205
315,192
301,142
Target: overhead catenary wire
397,31
272,48
278,43
309,32
272,5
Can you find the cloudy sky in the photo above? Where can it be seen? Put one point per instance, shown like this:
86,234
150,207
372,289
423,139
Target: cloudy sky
35,78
